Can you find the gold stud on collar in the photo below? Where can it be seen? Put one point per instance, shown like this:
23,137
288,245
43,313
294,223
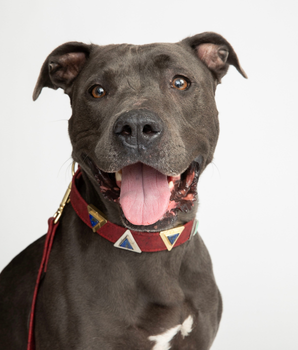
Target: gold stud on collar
96,217
170,237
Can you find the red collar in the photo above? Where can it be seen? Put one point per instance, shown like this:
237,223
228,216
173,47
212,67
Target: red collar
121,237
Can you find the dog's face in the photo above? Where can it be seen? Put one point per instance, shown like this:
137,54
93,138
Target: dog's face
144,122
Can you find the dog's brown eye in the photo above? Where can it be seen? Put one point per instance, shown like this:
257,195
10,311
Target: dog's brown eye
97,91
180,83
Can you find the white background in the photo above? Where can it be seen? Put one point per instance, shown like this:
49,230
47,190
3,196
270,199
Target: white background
248,211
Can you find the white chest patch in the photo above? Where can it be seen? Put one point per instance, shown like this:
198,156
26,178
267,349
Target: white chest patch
162,341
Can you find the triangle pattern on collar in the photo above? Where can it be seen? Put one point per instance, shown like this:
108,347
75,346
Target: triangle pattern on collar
170,237
127,242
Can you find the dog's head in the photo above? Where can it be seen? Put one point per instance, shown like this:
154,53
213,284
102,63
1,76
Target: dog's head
144,122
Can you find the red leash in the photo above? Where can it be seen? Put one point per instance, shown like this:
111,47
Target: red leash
53,225
42,269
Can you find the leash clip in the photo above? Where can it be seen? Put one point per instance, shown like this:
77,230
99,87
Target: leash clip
63,203
65,198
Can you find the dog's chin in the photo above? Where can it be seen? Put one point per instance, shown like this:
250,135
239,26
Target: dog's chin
182,195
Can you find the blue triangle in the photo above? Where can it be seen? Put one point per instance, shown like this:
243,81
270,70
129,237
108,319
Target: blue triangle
126,244
173,238
93,221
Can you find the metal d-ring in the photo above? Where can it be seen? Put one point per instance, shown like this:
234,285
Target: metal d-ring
65,198
73,167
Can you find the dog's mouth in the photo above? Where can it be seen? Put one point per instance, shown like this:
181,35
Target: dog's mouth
145,195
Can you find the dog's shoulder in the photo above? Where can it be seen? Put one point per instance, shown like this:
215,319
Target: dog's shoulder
17,282
22,266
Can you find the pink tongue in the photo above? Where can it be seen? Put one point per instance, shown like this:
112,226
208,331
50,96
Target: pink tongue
144,194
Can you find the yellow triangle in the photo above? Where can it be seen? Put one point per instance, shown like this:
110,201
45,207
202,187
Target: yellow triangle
96,214
166,236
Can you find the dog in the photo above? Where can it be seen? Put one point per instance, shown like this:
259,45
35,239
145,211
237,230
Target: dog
123,266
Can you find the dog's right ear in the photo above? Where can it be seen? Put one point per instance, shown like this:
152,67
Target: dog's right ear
61,67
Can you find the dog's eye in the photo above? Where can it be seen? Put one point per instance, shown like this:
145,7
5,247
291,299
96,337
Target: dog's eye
180,83
97,91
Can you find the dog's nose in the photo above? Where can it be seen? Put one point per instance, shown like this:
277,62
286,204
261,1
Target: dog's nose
138,128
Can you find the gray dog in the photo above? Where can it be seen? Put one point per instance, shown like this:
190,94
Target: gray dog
123,266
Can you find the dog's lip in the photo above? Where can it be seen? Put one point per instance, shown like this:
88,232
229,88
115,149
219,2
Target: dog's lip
170,174
174,175
106,181
113,180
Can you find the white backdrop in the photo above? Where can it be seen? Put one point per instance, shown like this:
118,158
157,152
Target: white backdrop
248,196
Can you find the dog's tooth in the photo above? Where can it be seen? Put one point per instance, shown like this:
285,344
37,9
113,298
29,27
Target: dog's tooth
118,175
171,185
174,178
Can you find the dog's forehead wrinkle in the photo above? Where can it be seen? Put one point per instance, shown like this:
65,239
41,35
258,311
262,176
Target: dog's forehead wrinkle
125,56
133,83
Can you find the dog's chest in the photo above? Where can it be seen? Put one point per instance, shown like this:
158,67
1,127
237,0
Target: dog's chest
95,296
128,303
123,320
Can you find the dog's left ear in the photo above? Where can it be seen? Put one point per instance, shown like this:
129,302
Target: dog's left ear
62,66
215,52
